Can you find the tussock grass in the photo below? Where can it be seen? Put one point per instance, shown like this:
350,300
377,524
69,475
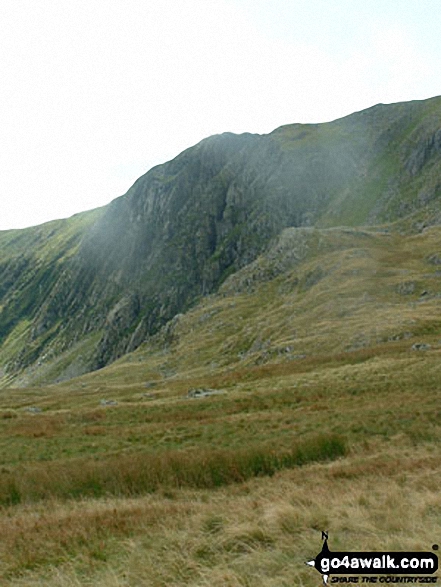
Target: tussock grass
257,533
143,473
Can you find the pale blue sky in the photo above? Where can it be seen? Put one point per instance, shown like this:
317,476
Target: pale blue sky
94,93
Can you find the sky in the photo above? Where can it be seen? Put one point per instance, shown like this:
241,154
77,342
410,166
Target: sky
93,93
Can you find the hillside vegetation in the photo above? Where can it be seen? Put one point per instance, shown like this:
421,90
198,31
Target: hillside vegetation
241,352
303,396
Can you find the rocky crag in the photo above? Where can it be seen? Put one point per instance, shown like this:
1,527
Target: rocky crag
76,294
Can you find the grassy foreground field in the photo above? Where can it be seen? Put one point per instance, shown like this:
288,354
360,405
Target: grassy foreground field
325,360
252,526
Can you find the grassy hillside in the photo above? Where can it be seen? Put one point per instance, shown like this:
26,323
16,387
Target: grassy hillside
320,363
315,292
270,373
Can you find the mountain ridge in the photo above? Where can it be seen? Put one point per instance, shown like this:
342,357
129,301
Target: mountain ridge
104,281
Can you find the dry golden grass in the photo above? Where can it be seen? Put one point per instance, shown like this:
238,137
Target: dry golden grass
257,533
383,495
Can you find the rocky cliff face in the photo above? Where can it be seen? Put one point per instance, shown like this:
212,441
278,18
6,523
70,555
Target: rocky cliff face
119,274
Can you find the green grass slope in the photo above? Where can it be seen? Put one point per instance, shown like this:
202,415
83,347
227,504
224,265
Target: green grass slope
31,261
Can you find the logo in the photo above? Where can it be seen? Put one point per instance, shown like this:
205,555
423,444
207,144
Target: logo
374,563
